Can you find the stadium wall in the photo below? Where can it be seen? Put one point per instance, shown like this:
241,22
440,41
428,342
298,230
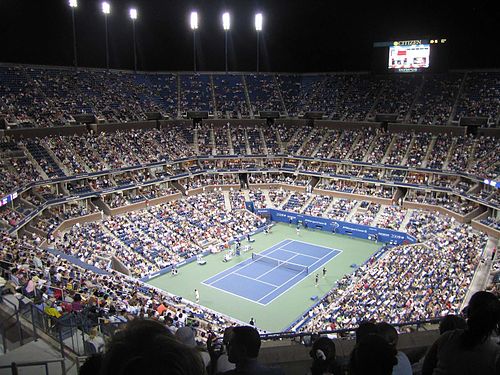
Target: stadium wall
79,220
338,227
434,129
140,205
294,359
217,123
300,189
346,124
476,224
339,194
43,132
489,132
429,207
209,188
112,127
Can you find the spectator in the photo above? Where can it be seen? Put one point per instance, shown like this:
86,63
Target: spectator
92,365
372,355
147,347
96,340
450,323
390,335
470,350
243,349
323,355
186,335
364,329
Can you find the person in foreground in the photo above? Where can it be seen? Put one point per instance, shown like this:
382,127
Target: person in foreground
323,355
473,350
372,355
390,335
243,350
148,347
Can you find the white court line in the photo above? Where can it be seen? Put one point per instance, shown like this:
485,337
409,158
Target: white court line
308,243
293,252
279,265
338,252
297,275
282,243
233,294
330,250
251,278
245,266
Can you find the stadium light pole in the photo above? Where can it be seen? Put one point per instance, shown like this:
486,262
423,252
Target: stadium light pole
194,27
258,28
106,9
133,17
73,4
226,24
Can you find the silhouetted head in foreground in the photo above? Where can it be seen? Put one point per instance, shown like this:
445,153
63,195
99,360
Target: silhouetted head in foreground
483,313
148,347
372,355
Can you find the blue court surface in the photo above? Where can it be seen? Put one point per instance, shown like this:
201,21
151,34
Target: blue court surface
269,274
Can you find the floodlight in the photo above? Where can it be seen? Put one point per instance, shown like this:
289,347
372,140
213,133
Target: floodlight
133,13
106,8
73,3
258,22
194,20
226,21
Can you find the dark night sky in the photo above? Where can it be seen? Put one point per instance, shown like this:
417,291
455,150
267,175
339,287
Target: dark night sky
299,36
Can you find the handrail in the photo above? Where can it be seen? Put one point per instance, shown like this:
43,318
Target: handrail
3,328
14,366
281,335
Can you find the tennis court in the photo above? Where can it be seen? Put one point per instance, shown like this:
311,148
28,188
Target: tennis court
267,275
288,296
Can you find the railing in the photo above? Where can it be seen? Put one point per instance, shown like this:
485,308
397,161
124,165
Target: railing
14,366
5,326
346,332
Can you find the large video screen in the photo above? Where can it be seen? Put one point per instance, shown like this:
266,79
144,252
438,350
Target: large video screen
408,59
410,56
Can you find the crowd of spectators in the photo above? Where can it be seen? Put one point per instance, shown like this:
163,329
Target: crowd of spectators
479,97
318,205
296,202
397,95
375,191
366,213
74,155
338,185
340,209
398,150
455,204
60,287
391,217
435,103
46,97
418,150
201,181
410,282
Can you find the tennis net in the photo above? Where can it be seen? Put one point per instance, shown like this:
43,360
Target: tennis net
281,263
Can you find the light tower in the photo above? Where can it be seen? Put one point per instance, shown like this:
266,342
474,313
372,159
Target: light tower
194,27
106,9
73,4
258,29
226,24
133,17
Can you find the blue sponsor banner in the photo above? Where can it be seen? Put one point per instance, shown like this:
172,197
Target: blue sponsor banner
249,206
341,227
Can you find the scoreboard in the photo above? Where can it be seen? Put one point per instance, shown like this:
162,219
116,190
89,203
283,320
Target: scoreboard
410,56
